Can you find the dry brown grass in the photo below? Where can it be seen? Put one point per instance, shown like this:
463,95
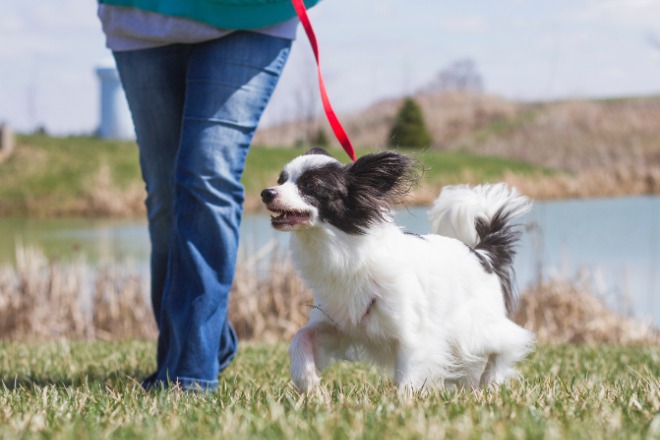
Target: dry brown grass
46,299
582,135
569,136
621,180
449,117
121,308
269,306
565,312
42,298
104,198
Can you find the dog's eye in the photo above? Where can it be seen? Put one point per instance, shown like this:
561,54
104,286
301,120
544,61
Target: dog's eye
309,184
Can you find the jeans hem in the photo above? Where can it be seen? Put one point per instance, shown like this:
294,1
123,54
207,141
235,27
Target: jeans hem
184,383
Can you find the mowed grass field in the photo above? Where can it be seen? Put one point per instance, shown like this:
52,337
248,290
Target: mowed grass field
62,390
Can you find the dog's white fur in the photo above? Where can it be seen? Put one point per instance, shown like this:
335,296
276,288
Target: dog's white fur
424,308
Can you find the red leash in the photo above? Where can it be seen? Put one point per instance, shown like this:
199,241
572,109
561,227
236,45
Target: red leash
340,134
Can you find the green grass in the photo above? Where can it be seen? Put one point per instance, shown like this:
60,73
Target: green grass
451,167
89,390
440,167
503,126
50,175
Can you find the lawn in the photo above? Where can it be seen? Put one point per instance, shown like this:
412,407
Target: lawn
89,390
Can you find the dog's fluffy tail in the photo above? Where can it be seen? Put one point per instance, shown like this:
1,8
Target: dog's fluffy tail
481,217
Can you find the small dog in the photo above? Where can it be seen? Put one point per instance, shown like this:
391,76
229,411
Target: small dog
430,309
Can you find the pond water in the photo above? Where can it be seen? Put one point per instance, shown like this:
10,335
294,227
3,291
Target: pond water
614,244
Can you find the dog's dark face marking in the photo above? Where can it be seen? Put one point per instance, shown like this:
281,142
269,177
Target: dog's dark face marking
315,188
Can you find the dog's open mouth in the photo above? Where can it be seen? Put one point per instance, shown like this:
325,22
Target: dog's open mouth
289,219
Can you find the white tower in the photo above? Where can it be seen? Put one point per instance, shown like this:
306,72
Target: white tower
115,118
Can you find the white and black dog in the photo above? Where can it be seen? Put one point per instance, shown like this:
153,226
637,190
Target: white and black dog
430,309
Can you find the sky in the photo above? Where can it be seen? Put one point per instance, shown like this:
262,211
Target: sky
370,50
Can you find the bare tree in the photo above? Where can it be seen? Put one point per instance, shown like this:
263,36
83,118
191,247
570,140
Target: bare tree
461,75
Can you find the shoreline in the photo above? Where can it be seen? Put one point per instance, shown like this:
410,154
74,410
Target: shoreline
596,184
109,204
562,189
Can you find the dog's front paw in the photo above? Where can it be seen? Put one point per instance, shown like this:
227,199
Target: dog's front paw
305,379
303,366
307,384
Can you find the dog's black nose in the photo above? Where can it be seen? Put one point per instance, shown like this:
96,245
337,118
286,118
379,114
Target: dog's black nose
268,195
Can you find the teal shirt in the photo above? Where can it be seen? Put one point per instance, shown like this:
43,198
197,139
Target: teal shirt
225,14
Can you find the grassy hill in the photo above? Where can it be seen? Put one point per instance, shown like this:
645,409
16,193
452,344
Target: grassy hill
548,150
567,135
605,147
49,176
82,176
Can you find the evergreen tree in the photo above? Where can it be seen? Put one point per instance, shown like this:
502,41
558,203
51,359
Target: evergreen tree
409,129
320,139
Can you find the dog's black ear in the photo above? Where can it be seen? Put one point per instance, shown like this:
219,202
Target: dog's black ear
317,150
371,187
377,182
388,176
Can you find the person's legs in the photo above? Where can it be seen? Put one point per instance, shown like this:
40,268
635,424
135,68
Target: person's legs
155,84
228,84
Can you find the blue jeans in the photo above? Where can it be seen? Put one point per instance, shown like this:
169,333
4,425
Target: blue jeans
195,108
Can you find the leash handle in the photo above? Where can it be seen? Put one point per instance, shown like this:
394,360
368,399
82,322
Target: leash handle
337,128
